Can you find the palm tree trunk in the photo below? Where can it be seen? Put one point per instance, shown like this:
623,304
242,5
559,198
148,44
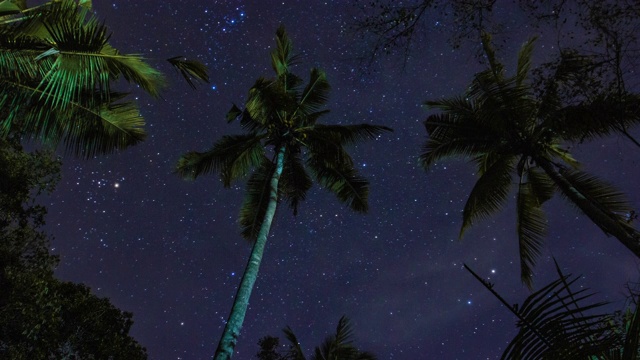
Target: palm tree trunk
241,302
605,220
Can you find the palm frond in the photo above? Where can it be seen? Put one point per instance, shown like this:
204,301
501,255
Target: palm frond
295,352
598,118
542,187
258,195
192,71
631,344
264,100
8,8
524,61
282,58
132,68
489,193
294,181
342,180
120,126
556,324
449,137
557,151
344,331
232,157
531,227
326,148
601,193
496,69
113,124
315,94
461,106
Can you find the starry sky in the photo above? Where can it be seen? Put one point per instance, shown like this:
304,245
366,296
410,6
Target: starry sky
169,250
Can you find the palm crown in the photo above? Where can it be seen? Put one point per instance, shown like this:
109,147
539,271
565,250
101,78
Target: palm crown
56,75
508,131
280,116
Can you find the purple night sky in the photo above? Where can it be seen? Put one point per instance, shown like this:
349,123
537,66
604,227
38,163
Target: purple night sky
169,250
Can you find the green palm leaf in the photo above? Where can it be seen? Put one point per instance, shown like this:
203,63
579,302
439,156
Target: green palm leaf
8,8
489,193
114,127
294,181
315,94
192,71
342,180
115,124
84,58
542,187
264,100
531,227
233,157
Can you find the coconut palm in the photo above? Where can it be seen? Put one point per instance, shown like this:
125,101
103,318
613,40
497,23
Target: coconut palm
56,75
284,146
508,133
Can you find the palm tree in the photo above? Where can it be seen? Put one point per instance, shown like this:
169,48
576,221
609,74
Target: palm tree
508,132
334,347
281,143
56,75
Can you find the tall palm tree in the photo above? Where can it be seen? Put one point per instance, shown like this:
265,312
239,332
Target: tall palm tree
509,132
281,143
56,75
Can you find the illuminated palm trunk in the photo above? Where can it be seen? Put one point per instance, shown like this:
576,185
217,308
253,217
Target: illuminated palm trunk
604,219
241,301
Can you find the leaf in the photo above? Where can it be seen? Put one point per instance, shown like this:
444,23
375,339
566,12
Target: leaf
190,70
315,94
524,61
233,113
295,350
8,8
294,181
604,195
342,180
489,193
232,157
557,324
453,136
531,227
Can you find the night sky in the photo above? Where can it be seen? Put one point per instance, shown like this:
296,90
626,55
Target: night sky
169,250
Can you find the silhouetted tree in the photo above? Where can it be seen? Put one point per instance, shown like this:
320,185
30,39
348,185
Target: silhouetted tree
280,115
40,316
506,130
